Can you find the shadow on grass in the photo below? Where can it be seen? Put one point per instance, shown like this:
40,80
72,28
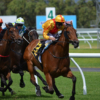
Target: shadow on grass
22,96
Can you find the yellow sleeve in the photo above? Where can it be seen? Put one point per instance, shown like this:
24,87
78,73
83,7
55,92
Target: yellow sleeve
45,32
47,26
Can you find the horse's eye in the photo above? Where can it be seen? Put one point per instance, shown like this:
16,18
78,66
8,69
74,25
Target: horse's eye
11,31
68,32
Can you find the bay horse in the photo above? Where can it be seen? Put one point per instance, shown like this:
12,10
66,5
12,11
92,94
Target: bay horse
17,63
55,61
10,35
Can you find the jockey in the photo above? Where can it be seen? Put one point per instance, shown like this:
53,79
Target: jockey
20,26
1,21
50,30
51,27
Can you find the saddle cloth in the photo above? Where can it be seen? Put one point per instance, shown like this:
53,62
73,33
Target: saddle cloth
39,49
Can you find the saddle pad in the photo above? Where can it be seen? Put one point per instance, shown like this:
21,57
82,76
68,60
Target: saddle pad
35,50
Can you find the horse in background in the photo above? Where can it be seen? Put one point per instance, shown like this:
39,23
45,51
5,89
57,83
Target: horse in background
17,51
11,35
55,61
17,63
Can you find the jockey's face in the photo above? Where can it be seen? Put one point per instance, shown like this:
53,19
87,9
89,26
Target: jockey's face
19,26
59,25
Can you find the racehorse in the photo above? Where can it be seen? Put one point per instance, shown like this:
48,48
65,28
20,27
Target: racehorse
11,35
17,63
55,61
17,51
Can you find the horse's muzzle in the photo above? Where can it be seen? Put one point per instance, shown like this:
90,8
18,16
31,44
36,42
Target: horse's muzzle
75,43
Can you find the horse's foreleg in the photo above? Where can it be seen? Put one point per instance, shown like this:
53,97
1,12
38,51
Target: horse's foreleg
32,78
2,84
9,83
22,84
57,91
37,74
49,80
70,75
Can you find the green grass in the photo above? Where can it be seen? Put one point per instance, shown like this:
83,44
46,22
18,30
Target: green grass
64,85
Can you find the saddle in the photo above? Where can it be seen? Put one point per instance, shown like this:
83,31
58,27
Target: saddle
37,51
41,47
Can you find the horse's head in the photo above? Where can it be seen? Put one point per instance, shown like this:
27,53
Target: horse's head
13,34
70,35
32,33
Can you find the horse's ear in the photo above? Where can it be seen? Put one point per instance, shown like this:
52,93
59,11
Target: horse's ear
65,26
71,23
15,25
7,25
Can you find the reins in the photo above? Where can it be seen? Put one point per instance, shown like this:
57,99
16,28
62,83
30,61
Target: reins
56,56
60,42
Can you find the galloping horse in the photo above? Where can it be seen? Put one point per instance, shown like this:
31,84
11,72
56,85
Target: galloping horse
11,35
55,61
17,63
16,54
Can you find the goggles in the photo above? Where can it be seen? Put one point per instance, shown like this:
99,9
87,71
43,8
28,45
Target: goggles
59,24
19,24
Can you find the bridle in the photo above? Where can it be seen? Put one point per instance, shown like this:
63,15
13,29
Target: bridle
11,41
66,36
28,41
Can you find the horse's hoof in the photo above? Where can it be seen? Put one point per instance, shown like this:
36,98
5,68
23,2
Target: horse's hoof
38,93
60,96
72,98
13,92
22,85
46,89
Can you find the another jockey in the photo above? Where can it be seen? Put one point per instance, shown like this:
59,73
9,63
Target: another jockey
50,30
20,26
1,21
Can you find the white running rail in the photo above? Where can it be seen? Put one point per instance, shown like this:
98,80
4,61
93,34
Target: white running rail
83,55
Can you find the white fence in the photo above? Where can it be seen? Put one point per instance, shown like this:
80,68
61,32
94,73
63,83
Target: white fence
83,55
85,35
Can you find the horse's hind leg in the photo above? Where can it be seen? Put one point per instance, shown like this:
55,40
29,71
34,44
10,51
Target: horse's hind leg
70,75
32,79
37,74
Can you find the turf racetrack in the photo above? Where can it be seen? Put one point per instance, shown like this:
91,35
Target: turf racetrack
63,84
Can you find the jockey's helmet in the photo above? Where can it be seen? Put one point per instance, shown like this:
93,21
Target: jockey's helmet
1,21
59,18
20,20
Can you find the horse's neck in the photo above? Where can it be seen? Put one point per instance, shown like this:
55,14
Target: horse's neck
62,46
